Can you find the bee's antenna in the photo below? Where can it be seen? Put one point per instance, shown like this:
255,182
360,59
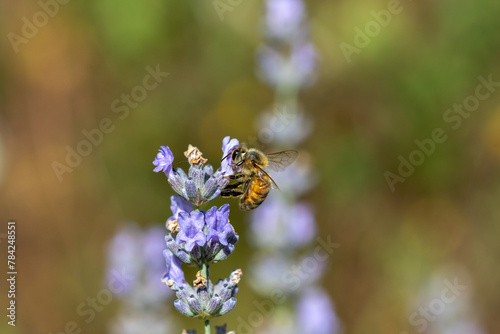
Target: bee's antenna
225,156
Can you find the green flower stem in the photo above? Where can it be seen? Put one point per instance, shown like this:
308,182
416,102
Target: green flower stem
207,326
204,273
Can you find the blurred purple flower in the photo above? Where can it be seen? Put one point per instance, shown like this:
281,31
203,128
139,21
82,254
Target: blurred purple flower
267,273
279,225
293,70
297,179
275,271
289,128
124,255
191,229
316,314
284,18
463,327
271,64
137,254
303,58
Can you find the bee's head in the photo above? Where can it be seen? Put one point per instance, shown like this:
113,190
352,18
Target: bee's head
238,155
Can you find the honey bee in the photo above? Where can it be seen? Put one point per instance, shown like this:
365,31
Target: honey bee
254,182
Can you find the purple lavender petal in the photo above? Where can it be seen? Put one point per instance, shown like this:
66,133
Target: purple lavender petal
218,221
179,205
164,160
191,229
228,145
174,269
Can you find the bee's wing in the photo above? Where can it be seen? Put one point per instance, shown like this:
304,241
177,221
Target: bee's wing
273,184
280,160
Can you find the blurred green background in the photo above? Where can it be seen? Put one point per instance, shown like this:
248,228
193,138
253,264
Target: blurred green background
367,112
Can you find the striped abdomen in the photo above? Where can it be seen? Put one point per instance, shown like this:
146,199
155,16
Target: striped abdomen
256,193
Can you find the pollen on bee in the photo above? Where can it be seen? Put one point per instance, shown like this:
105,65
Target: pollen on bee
194,155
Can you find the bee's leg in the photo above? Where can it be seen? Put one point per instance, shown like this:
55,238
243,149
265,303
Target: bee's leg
234,176
234,185
231,192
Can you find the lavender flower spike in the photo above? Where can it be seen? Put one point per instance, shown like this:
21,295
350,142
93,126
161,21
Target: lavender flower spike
197,238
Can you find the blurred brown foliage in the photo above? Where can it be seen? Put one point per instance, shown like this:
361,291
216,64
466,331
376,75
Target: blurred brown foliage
64,79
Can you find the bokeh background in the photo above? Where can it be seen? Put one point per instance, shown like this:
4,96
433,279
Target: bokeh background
443,220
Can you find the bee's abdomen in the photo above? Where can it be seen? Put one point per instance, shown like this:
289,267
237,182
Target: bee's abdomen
258,189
